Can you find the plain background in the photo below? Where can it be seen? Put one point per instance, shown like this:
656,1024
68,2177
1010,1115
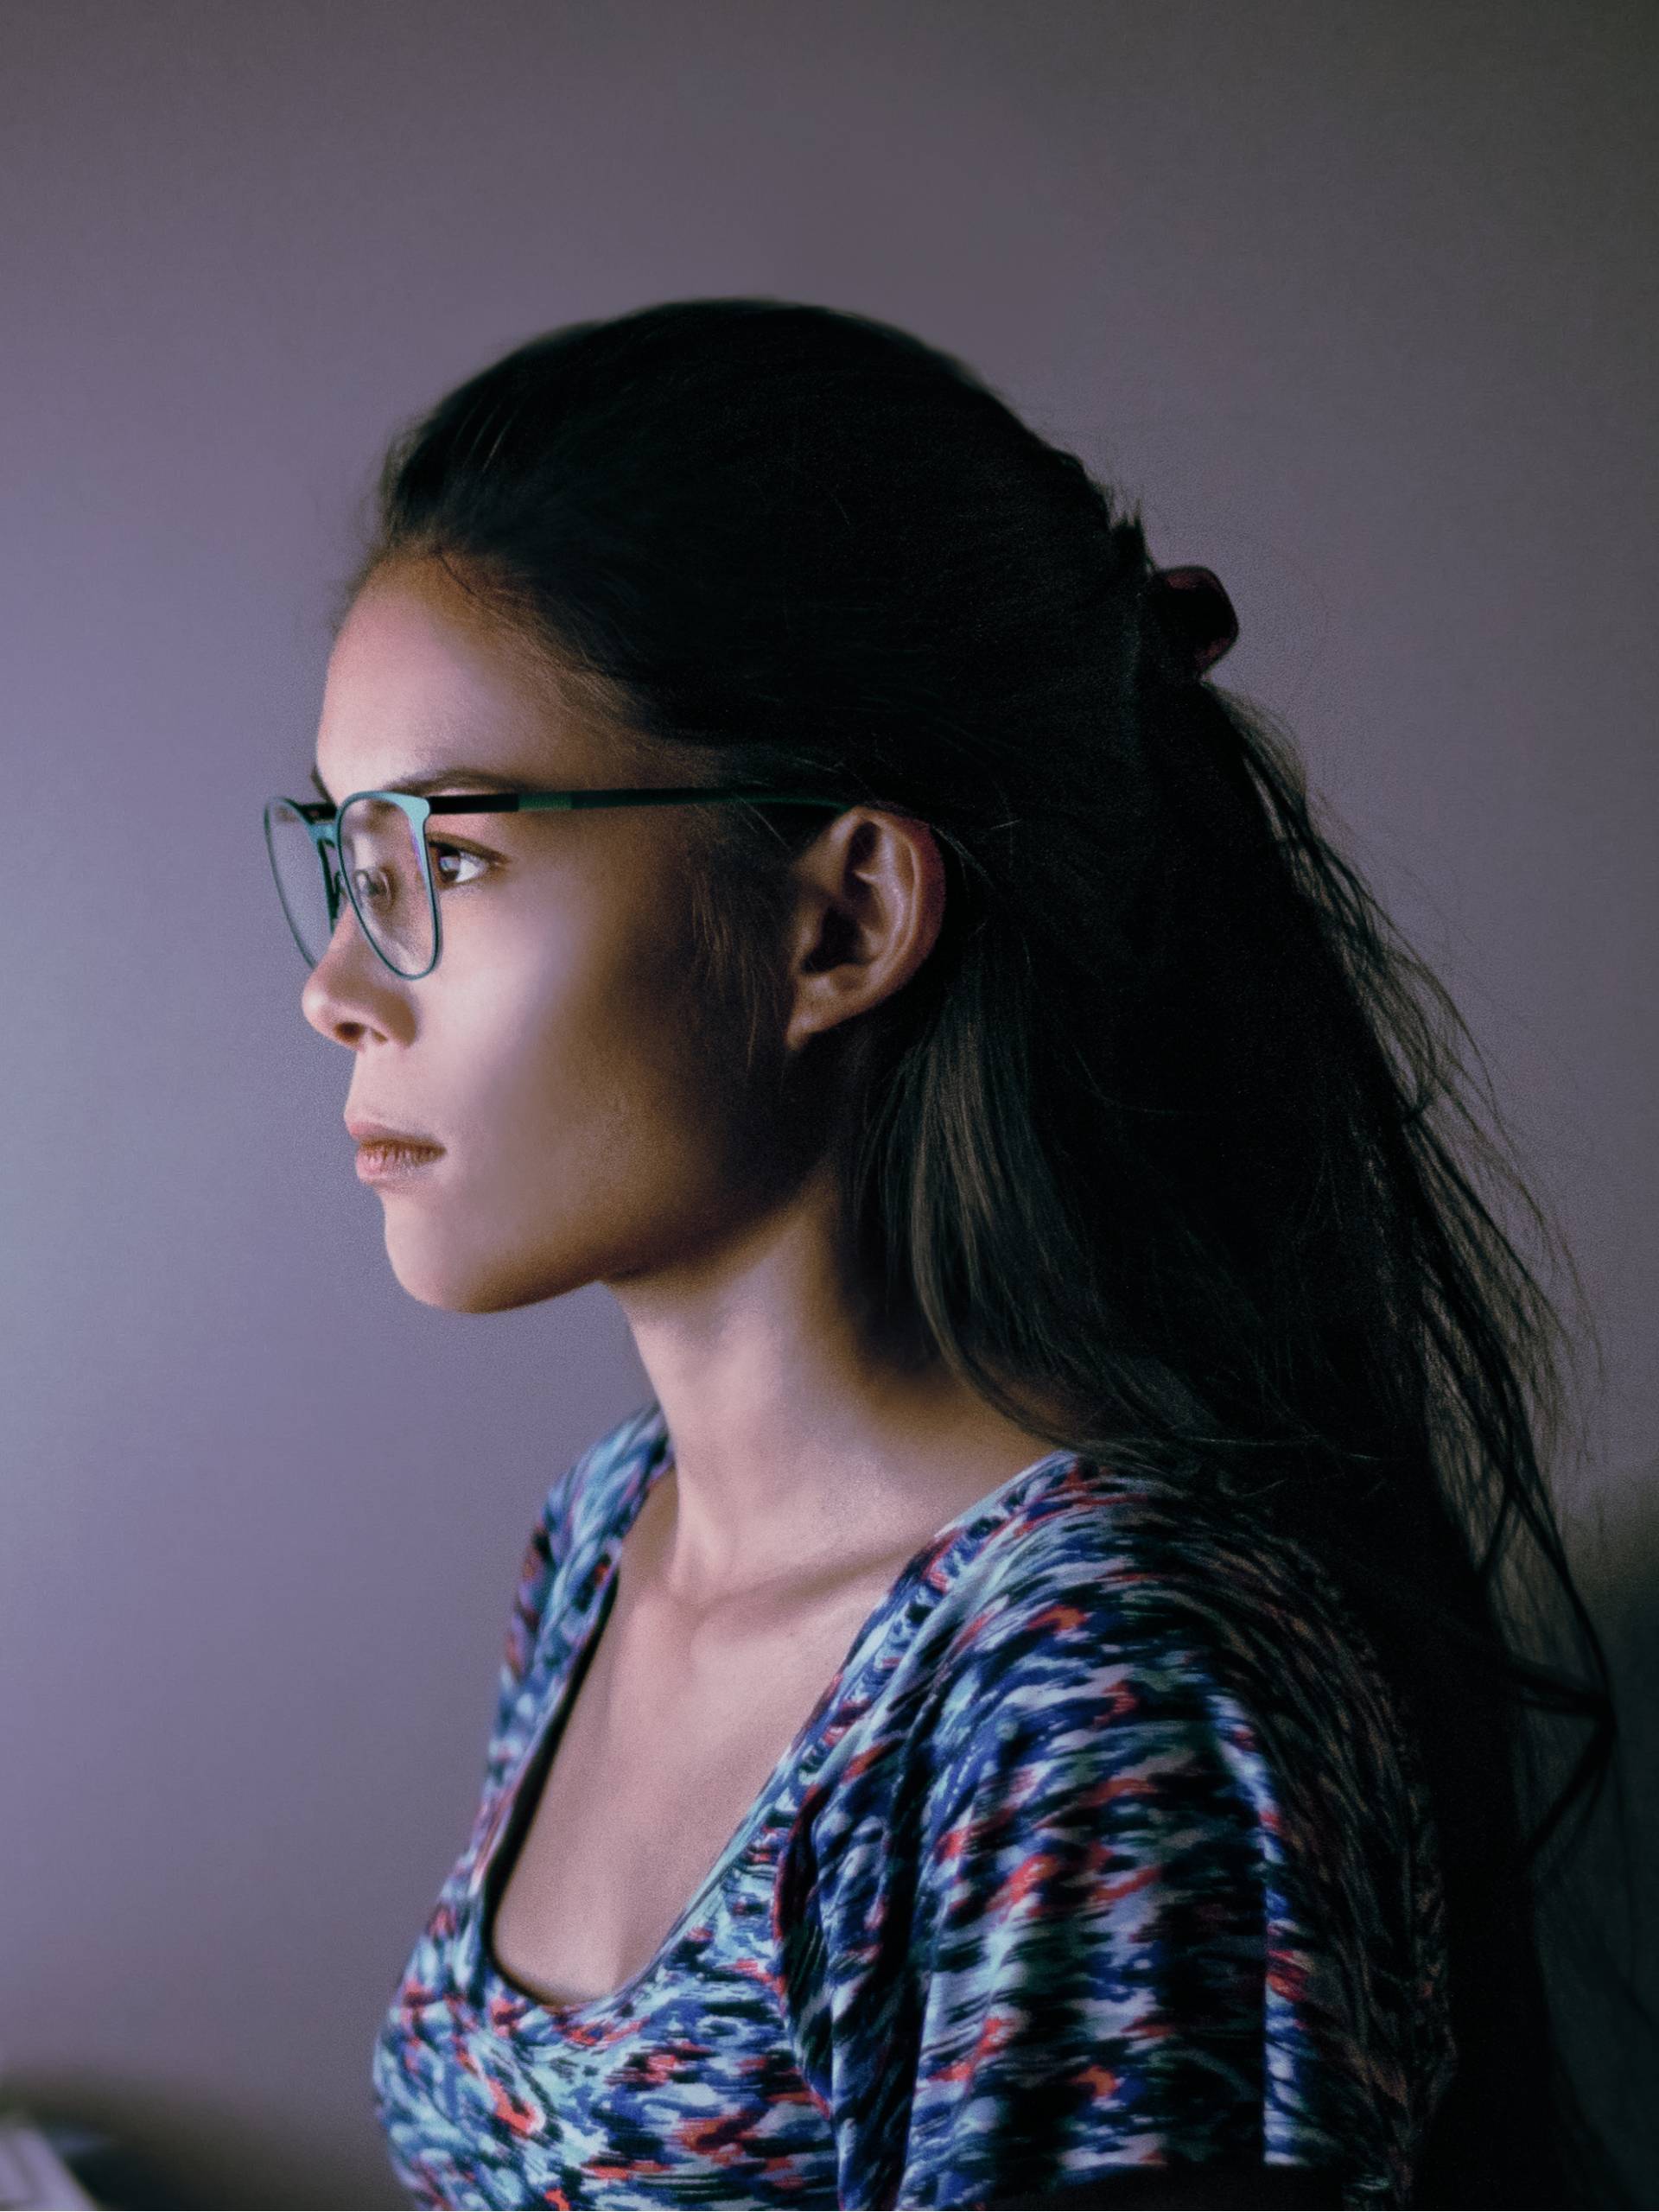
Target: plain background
1360,301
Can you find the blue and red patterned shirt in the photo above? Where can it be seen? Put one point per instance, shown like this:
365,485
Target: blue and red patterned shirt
1104,1849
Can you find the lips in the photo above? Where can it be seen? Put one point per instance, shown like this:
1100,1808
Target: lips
364,1132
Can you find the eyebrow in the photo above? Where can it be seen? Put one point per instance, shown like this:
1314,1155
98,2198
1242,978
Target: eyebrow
438,779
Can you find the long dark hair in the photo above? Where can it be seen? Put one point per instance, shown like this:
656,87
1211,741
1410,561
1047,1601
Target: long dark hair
1164,1149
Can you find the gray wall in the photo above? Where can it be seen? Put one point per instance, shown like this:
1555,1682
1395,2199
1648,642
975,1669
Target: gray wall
1358,300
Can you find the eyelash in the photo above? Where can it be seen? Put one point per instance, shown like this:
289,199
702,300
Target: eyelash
461,852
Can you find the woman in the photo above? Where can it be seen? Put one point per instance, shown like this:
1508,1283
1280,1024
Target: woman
1025,1714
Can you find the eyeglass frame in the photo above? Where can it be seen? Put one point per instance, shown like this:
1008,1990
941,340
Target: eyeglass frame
323,820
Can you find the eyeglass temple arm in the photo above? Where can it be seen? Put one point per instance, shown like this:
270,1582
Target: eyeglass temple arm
318,810
689,794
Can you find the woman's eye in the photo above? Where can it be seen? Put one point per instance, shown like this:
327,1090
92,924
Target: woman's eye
442,854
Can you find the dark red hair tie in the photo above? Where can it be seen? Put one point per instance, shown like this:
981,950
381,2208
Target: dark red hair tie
1195,615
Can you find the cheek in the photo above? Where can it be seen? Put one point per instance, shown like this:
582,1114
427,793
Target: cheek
599,1073
602,1127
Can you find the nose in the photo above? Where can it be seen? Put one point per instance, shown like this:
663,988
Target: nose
336,993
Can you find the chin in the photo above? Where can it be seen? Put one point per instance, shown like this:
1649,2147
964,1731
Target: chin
446,1282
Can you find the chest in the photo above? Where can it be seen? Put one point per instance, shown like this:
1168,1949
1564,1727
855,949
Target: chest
668,1735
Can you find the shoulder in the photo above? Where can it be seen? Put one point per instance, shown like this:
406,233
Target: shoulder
1103,1588
1131,1816
1180,1697
583,1505
577,1515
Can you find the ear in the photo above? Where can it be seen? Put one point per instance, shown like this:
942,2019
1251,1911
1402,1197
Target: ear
870,907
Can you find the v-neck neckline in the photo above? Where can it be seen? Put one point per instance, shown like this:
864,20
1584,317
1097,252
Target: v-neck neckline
543,1746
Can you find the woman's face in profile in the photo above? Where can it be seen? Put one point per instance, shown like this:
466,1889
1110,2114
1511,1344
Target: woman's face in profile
589,1119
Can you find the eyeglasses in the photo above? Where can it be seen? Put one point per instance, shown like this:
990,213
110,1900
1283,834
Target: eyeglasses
380,854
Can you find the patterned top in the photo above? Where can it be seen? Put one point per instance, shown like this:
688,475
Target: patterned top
1103,1849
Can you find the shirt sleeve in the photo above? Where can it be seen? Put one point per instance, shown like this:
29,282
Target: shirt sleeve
1058,1932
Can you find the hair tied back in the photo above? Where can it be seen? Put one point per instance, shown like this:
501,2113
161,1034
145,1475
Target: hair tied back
1195,615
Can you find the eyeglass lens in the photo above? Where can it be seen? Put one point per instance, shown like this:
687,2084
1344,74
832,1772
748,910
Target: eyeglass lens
382,866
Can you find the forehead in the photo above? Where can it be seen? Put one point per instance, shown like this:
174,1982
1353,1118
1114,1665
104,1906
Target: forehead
414,684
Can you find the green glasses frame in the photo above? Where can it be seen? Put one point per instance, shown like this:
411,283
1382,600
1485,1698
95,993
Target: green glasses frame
323,822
